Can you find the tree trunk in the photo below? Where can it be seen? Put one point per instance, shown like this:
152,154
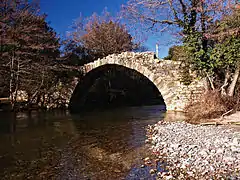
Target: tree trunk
223,88
11,84
210,80
234,82
207,85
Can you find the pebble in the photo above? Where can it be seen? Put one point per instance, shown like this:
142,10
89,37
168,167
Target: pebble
152,171
147,159
169,177
220,151
235,141
117,171
202,152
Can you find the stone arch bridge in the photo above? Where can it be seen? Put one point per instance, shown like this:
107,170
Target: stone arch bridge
164,74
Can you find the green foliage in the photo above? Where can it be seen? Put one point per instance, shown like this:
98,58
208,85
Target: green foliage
174,53
198,56
170,53
226,54
186,78
215,55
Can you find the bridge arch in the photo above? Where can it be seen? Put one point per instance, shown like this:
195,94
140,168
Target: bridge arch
163,74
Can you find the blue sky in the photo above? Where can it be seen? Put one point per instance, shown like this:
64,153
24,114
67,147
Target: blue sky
61,14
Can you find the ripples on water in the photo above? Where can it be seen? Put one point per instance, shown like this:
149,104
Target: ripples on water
95,145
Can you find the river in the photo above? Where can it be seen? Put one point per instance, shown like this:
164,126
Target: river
96,145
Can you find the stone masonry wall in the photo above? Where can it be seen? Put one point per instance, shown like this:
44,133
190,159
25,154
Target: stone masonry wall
163,73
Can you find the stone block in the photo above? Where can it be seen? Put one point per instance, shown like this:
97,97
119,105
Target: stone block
151,77
111,60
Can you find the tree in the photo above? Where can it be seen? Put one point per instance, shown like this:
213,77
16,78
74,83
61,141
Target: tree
225,55
191,20
75,54
174,53
185,16
28,45
141,48
100,36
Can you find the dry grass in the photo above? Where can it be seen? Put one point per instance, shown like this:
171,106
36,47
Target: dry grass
210,105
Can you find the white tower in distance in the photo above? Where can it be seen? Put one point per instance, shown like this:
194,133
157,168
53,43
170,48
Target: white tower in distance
157,50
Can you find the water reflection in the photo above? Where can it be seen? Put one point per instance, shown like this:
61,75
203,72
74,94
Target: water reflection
56,145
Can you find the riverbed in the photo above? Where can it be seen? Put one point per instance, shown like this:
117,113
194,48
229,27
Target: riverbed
95,145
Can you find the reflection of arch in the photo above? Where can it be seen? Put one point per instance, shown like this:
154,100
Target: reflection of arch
146,97
164,75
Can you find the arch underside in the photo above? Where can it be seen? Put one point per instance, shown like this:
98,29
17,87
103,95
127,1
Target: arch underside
147,93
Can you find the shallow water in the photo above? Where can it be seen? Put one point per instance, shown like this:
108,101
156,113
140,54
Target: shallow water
94,145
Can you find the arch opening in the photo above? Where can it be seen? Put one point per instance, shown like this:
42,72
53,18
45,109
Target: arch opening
113,86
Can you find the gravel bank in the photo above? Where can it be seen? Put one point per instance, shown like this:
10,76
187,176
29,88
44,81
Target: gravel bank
196,152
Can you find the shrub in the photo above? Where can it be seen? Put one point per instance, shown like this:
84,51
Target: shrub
210,105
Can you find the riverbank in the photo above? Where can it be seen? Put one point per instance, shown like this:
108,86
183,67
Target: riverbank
23,106
233,119
195,151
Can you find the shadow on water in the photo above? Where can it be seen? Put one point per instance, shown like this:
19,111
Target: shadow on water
56,145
